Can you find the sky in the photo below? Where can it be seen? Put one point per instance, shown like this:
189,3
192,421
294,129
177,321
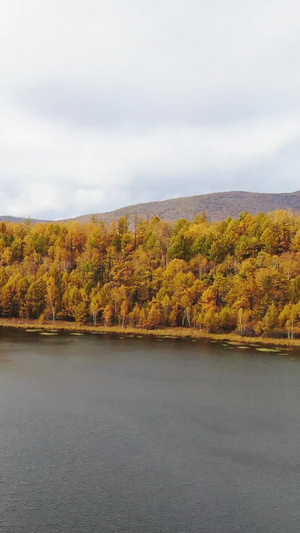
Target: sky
109,103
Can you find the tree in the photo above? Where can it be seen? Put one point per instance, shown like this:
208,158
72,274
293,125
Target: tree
36,299
52,297
154,316
288,318
243,319
107,315
96,304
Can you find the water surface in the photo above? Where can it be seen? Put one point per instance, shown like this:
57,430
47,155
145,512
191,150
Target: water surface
108,434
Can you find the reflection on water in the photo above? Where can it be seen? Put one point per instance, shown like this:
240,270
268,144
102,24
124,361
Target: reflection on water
102,434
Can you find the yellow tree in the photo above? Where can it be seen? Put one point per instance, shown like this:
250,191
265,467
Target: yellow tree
52,297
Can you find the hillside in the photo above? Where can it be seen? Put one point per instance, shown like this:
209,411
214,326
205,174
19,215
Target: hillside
217,206
9,218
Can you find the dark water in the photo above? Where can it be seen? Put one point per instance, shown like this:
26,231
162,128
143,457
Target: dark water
103,434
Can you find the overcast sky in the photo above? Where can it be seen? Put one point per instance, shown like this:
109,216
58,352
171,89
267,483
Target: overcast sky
106,103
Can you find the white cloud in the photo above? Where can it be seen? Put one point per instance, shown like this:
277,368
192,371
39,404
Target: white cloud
108,103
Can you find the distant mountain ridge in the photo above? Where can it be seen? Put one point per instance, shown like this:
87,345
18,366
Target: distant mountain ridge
9,218
217,206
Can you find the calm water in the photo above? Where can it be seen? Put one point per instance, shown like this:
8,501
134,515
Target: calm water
102,434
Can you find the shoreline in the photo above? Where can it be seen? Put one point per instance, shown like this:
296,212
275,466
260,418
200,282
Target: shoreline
175,333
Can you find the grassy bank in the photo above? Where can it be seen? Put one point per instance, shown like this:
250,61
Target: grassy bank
166,332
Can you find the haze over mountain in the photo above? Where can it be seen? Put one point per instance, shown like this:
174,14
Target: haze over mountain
217,206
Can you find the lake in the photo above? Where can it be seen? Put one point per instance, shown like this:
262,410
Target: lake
106,434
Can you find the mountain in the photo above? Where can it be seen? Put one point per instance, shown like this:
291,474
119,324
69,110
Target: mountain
217,206
8,218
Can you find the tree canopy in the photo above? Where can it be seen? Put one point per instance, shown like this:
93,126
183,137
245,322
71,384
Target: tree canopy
241,275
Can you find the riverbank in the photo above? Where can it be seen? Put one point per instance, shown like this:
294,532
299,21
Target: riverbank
166,332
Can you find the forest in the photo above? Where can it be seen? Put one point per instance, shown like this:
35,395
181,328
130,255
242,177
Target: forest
240,275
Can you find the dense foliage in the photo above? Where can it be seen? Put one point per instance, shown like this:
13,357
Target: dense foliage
241,275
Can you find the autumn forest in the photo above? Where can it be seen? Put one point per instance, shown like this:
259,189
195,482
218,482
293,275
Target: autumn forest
236,275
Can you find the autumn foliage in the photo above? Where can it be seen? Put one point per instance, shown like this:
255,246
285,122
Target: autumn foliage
236,275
